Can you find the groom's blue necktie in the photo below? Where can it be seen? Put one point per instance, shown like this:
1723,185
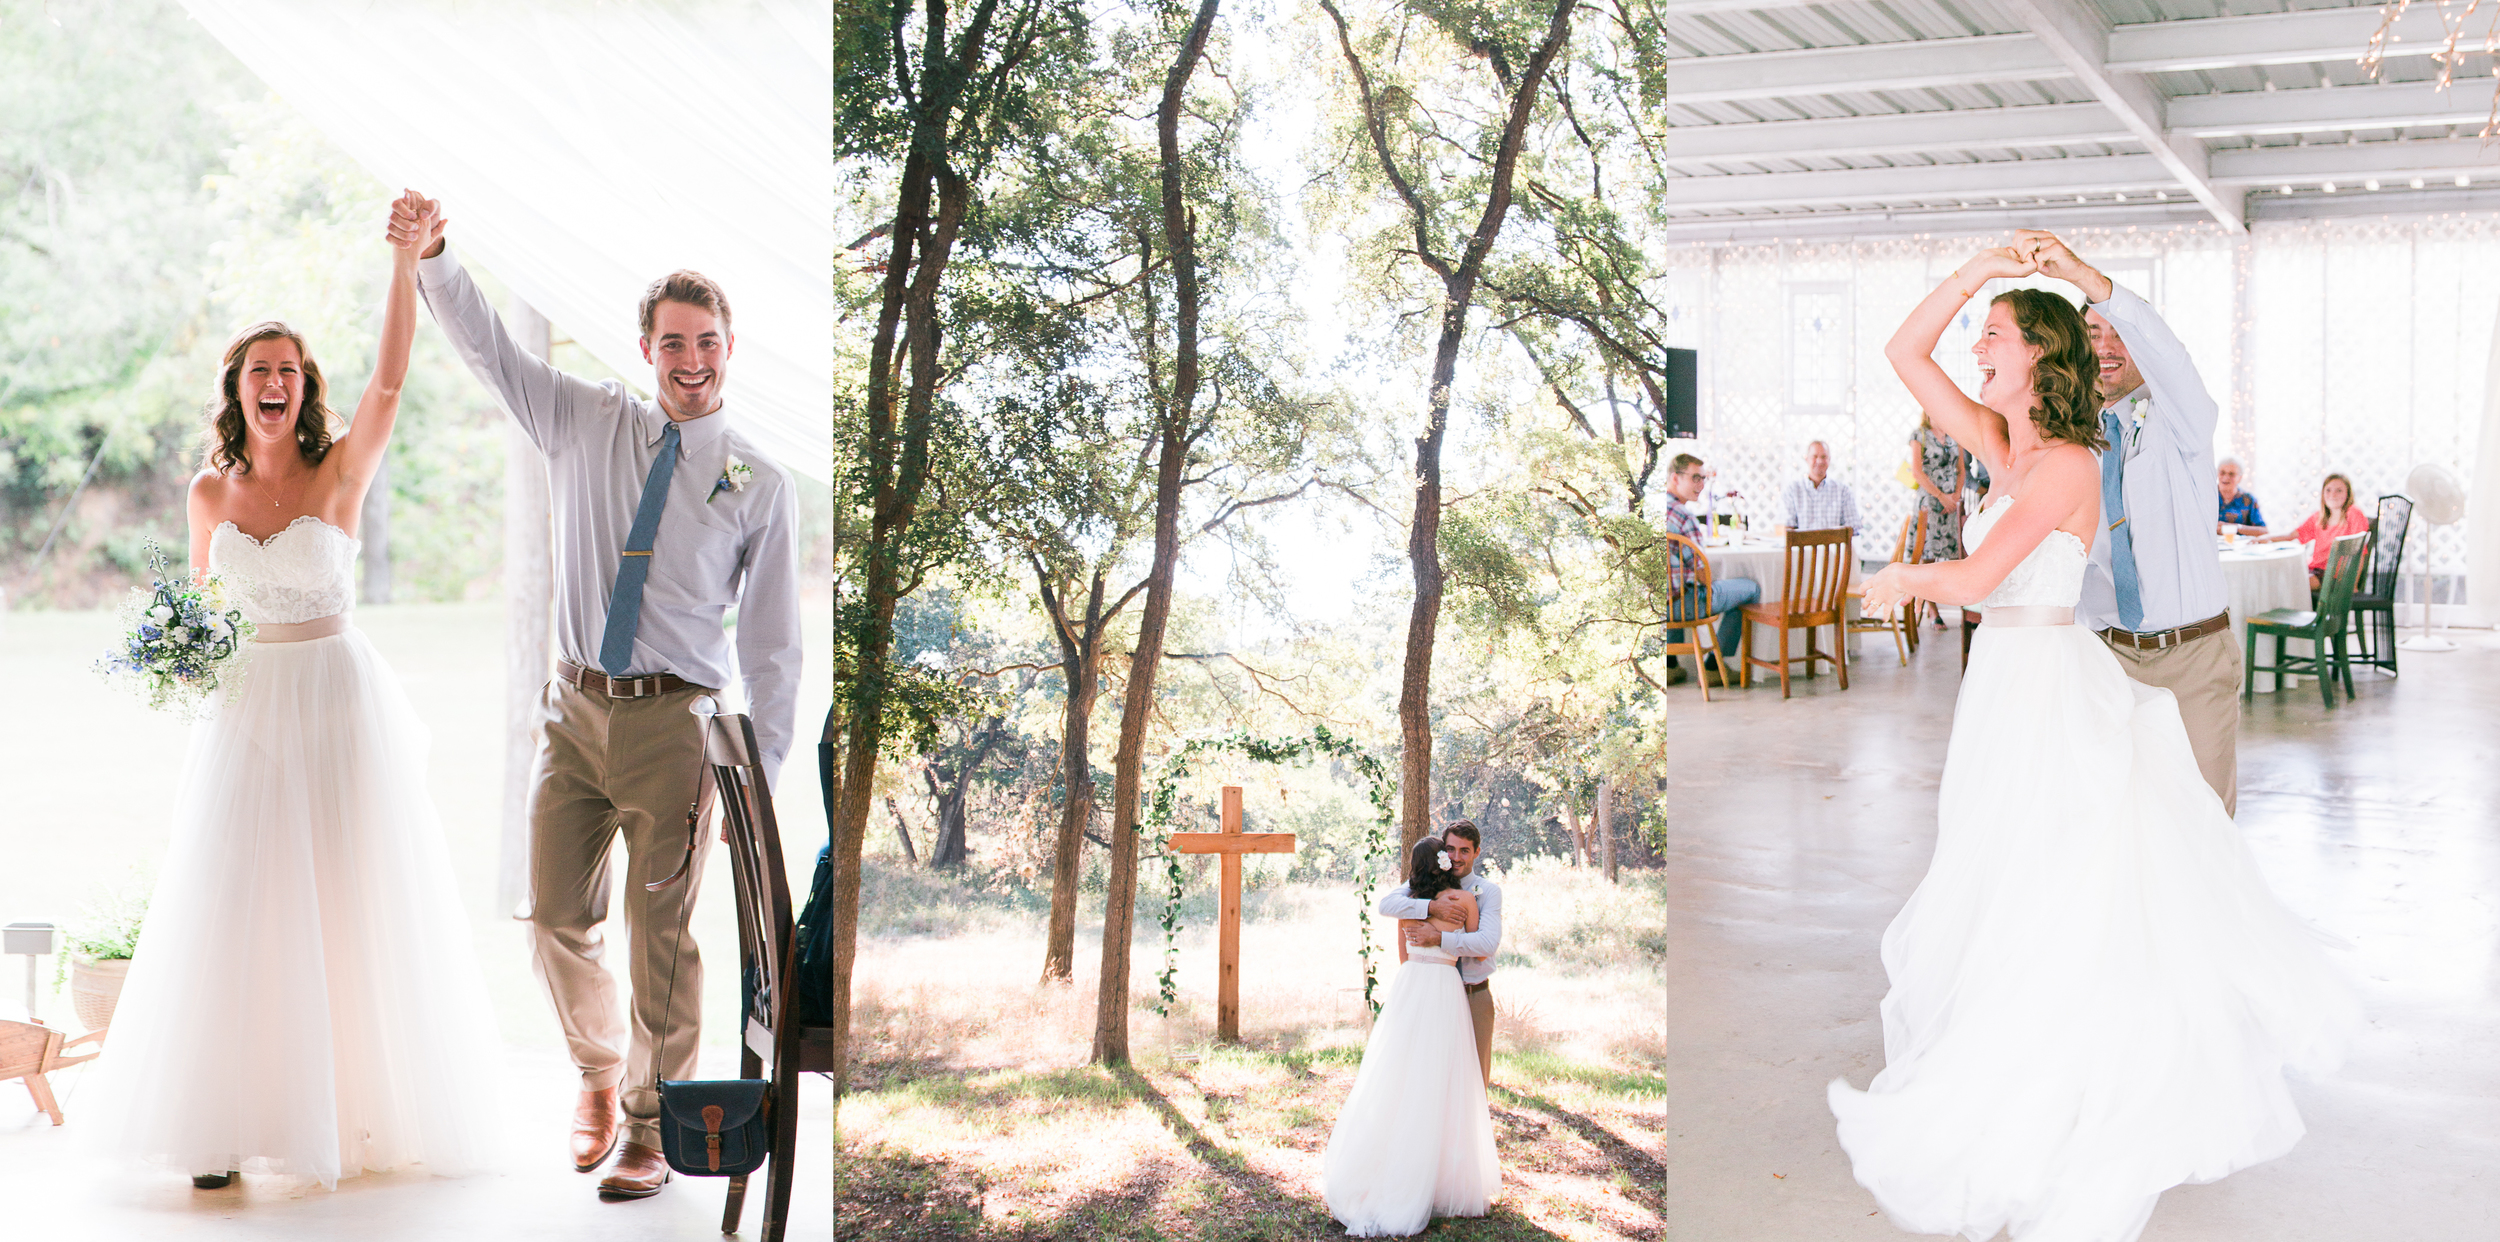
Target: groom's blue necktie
616,646
2114,516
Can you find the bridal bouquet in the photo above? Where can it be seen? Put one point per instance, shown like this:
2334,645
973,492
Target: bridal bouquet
182,642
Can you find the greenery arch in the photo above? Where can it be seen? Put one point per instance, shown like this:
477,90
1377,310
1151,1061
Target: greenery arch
1159,810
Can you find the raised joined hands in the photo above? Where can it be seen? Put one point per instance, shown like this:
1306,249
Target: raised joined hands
416,224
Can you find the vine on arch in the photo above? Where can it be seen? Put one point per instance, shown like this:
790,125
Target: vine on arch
1159,811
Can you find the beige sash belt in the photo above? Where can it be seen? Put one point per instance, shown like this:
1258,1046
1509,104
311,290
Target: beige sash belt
300,631
2028,614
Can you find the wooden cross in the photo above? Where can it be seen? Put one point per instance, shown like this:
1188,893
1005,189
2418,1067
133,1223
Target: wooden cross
1231,843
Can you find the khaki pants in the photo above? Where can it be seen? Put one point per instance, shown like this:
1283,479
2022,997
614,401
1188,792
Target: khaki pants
1480,1008
607,767
2204,675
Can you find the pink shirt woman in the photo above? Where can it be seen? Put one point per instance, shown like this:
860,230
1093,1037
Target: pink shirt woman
2337,516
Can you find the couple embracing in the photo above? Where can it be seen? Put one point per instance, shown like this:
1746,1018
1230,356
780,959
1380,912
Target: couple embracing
1415,1139
305,1000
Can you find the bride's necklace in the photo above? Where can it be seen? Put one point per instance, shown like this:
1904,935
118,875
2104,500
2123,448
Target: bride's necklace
263,488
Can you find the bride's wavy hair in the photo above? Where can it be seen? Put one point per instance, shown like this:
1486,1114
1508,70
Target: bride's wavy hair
2065,381
228,429
1425,876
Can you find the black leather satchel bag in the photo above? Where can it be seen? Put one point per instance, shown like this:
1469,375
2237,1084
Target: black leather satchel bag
718,1128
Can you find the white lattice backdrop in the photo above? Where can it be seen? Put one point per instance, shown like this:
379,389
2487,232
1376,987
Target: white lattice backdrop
2357,347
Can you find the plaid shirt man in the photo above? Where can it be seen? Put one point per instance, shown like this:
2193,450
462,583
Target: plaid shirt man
1682,567
1828,506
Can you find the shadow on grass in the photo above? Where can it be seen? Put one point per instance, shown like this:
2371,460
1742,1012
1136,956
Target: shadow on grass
887,1191
1644,1177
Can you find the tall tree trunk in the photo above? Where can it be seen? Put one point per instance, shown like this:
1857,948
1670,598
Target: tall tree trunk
1080,656
1606,825
1119,920
927,219
529,615
1459,279
1579,843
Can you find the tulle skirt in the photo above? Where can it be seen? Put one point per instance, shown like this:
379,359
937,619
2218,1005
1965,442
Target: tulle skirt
2095,996
1414,1140
304,999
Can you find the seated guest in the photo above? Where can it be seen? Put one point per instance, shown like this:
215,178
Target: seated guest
1728,597
1816,502
2239,509
2337,516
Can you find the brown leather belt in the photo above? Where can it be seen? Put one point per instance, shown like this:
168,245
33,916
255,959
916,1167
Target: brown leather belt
642,687
1478,987
2163,640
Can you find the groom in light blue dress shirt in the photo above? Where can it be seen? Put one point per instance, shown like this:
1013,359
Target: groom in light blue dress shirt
2155,590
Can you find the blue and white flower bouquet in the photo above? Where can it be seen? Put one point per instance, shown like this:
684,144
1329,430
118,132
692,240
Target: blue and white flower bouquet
181,643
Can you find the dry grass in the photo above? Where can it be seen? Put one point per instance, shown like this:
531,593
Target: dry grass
973,1115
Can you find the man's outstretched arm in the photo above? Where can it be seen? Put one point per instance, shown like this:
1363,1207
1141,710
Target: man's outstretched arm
542,399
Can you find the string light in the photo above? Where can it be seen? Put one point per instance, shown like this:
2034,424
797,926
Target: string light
2374,54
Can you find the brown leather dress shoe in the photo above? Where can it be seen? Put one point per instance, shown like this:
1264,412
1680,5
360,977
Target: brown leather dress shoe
594,1129
638,1173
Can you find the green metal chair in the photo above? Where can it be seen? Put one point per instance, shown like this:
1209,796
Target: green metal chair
2324,627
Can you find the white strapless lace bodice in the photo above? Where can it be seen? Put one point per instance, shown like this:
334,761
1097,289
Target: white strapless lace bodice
2052,575
303,573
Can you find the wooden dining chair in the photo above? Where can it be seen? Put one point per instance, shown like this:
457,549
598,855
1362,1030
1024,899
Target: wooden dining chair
2323,626
1700,628
1902,622
775,1044
1814,576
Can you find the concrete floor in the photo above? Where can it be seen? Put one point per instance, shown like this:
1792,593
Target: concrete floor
1800,827
48,1192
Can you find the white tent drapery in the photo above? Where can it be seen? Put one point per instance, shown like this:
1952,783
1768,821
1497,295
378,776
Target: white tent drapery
582,150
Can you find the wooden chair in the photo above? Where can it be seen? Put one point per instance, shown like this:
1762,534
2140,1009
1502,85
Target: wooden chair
30,1050
775,1044
1700,630
2323,627
2374,600
1903,623
1813,578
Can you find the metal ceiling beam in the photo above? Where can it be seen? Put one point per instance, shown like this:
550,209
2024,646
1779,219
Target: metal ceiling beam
2350,163
2146,47
1910,65
2079,35
2393,106
2267,39
2099,176
2050,125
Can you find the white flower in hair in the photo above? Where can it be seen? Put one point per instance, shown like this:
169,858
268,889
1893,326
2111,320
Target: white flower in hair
1443,859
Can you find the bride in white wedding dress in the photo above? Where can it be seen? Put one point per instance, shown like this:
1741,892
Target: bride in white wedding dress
2095,997
304,999
1415,1139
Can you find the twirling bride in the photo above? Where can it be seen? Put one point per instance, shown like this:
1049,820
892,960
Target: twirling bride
2094,997
304,999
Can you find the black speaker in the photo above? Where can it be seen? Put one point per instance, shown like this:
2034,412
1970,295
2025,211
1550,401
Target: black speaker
1683,394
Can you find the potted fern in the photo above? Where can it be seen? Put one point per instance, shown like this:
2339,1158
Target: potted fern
99,948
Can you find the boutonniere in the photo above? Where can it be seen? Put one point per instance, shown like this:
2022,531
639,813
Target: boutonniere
733,479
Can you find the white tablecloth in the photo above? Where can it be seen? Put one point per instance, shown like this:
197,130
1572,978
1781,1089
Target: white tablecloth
2261,578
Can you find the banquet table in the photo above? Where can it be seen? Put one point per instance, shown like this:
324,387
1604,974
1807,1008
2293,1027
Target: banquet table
2261,577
